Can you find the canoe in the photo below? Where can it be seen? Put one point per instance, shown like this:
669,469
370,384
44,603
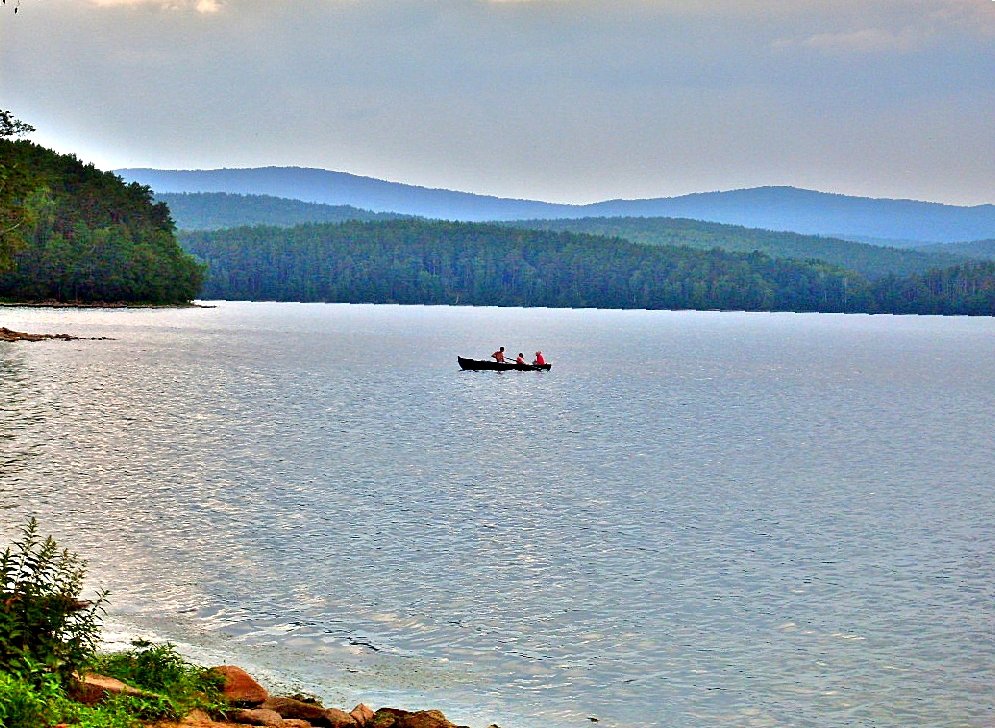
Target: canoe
478,364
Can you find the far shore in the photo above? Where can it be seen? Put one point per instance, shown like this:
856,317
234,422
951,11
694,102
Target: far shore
98,304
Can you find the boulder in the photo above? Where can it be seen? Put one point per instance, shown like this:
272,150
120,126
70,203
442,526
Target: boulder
258,716
339,719
396,718
197,719
91,688
362,714
295,723
240,688
293,708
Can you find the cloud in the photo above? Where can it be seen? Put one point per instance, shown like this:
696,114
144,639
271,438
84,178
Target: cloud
200,6
887,28
561,99
864,40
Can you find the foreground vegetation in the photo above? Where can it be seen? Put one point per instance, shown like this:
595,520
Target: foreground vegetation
416,261
49,636
52,677
70,232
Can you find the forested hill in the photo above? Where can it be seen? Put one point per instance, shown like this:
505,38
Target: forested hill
770,208
83,235
216,210
870,260
980,249
423,262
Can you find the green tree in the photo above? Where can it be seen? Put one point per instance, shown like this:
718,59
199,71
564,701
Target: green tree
16,186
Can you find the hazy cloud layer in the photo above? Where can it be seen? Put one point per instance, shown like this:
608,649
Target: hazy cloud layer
566,100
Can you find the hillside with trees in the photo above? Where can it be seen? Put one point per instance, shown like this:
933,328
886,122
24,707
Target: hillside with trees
425,262
871,261
977,249
770,208
967,289
70,232
216,210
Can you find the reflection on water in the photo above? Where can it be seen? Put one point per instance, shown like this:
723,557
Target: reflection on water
693,519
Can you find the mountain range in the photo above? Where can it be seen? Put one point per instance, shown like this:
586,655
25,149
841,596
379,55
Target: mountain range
771,208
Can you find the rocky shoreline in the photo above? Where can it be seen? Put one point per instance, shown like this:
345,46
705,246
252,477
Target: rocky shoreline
250,704
11,335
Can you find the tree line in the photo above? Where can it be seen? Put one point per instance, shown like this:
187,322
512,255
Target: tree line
414,261
70,232
871,261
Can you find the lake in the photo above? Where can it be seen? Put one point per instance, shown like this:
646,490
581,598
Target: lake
694,519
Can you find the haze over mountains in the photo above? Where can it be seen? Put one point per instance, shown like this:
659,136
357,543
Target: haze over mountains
772,208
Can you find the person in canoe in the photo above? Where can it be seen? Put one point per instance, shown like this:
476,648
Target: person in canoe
539,360
499,355
520,359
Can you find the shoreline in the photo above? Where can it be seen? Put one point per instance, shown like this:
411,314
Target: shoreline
98,304
333,677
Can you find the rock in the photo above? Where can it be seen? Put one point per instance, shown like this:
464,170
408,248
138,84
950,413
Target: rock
91,688
362,714
339,718
9,335
295,723
197,719
396,718
258,716
293,708
240,688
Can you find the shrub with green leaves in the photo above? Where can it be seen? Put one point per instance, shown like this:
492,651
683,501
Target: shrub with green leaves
24,704
179,686
45,627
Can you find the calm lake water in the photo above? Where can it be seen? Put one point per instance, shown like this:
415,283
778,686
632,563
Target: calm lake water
695,519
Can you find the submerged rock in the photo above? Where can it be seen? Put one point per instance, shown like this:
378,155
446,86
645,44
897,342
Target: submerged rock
11,335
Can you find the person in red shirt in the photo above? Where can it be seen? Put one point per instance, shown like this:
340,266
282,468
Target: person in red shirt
539,360
499,355
520,359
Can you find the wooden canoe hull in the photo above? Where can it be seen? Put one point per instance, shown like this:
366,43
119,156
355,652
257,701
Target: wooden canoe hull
486,365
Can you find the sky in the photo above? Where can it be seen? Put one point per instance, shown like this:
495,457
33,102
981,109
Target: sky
560,100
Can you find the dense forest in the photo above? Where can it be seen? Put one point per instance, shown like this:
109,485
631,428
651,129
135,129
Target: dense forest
979,249
424,262
967,289
216,210
74,233
872,261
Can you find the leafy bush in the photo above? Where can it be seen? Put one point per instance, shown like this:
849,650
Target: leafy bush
179,686
45,628
24,704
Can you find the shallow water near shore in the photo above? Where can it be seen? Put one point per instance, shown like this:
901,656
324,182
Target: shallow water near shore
694,519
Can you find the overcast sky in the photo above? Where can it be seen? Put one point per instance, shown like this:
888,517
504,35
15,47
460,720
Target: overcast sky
561,100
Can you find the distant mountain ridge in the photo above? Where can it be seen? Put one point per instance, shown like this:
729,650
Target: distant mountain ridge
217,210
773,208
